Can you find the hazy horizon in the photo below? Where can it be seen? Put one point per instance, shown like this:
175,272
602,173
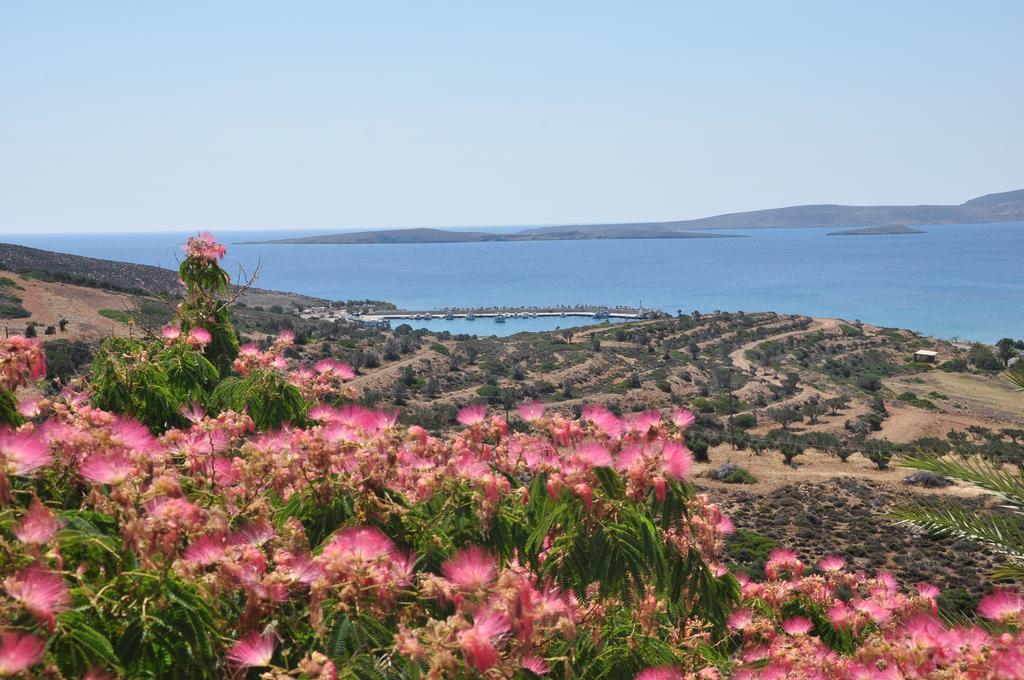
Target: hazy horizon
251,116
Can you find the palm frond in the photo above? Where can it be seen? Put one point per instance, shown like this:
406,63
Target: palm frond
1005,533
1007,484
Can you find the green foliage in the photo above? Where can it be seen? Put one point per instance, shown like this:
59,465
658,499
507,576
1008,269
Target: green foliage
13,310
745,420
65,357
266,396
748,551
116,314
739,476
141,625
9,409
983,358
149,382
1002,531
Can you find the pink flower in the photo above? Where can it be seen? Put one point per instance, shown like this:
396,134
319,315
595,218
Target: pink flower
471,569
592,454
206,549
831,563
204,248
252,651
29,408
19,652
110,469
531,410
472,414
676,461
683,418
798,625
604,419
740,619
783,562
1003,605
477,643
927,590
199,337
23,452
42,593
536,665
359,543
171,332
642,422
660,673
38,526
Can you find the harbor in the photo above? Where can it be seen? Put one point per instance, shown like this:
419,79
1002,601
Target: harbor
487,320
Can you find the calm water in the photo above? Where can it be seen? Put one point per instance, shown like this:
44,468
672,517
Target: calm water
963,281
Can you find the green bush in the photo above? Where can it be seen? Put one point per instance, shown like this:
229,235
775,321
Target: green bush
748,551
740,476
488,391
745,420
116,314
13,310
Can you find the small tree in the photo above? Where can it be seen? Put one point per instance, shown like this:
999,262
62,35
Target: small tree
837,403
784,415
790,450
813,409
1007,349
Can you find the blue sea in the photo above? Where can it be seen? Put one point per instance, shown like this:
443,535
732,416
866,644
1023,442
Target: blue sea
954,281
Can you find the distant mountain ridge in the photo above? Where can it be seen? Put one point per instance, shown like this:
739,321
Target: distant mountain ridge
1007,206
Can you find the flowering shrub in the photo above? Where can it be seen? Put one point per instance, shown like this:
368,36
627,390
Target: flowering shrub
238,531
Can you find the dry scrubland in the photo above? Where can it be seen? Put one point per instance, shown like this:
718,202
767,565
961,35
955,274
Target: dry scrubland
767,361
204,508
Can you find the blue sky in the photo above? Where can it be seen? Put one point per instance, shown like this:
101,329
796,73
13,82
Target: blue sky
252,115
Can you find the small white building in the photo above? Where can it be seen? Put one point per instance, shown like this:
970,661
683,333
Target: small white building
926,356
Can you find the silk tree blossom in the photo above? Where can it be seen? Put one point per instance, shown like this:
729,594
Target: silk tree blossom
471,569
199,337
783,563
30,408
21,360
255,650
536,665
740,618
831,563
170,332
19,652
531,411
23,452
42,593
113,468
205,248
38,526
683,418
593,454
367,562
478,643
1002,605
798,625
676,461
473,414
660,673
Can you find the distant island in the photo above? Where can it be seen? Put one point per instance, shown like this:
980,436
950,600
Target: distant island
1002,207
877,231
424,235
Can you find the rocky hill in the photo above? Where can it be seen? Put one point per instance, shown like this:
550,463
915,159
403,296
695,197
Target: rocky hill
139,279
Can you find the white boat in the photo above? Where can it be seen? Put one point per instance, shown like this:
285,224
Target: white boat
500,318
471,317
